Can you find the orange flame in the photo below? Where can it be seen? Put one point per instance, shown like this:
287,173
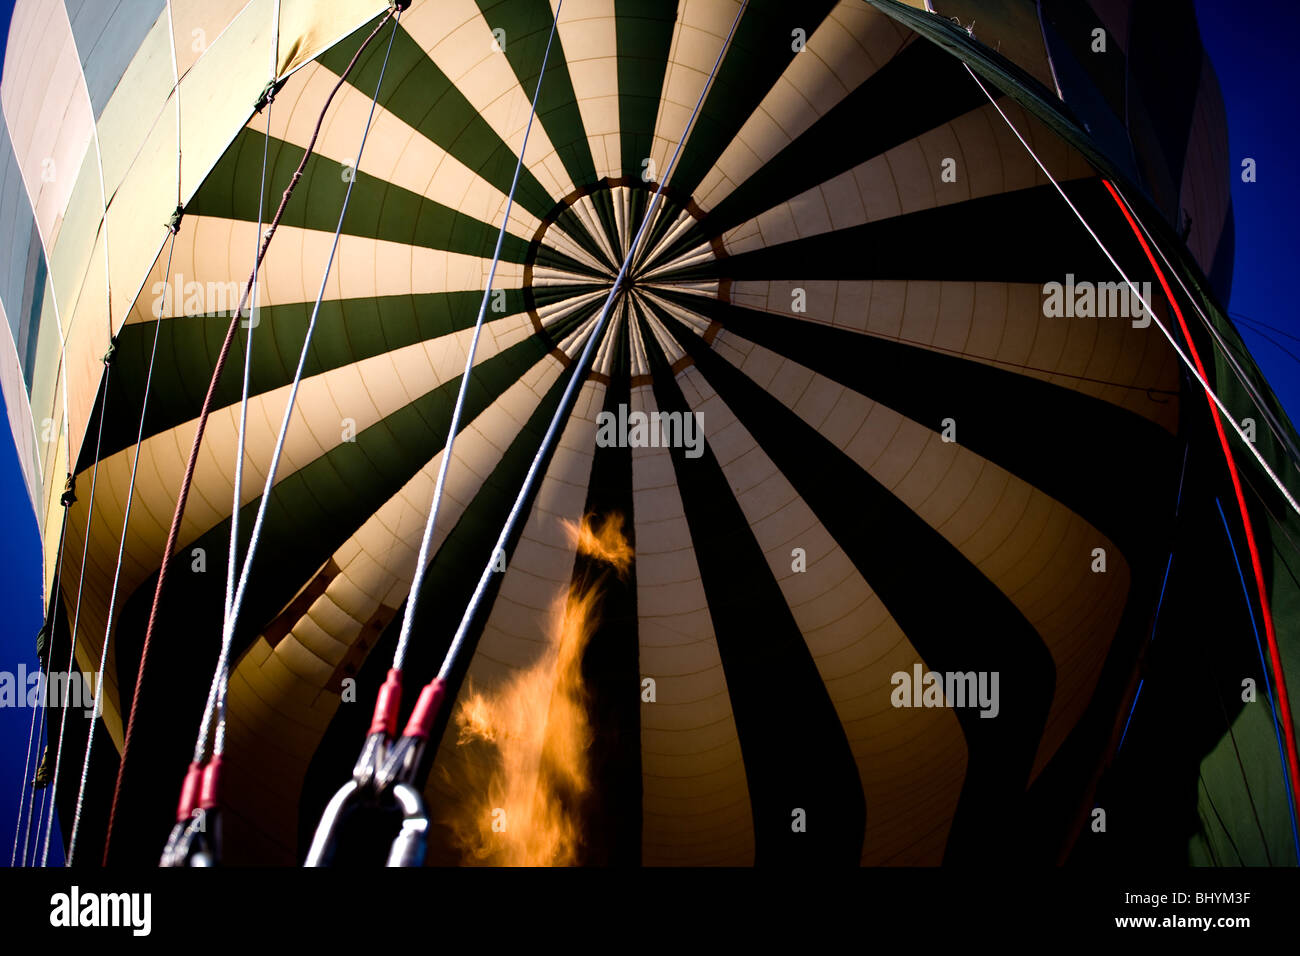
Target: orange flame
604,542
536,731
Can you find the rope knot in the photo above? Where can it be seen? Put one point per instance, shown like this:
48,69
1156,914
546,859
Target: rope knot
174,220
267,96
69,497
112,349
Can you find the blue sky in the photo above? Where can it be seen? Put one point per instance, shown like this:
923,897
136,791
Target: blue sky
1252,48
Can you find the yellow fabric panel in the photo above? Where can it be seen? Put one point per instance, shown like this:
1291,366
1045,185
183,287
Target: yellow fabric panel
218,92
79,280
137,106
309,26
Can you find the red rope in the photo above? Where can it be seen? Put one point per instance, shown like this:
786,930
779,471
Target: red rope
174,532
1279,680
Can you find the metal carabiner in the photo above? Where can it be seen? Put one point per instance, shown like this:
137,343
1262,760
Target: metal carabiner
410,843
322,843
196,846
190,843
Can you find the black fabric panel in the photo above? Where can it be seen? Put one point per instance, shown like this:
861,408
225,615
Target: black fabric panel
795,750
954,616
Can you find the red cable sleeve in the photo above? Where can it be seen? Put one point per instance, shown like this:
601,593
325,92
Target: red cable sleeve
189,793
426,710
384,720
1279,680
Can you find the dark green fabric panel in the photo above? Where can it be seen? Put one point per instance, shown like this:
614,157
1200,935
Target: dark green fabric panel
1082,451
347,331
760,51
422,96
892,106
527,24
795,750
645,36
957,242
376,210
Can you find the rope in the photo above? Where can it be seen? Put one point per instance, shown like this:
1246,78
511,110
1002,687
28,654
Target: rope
1198,370
49,657
76,614
233,617
408,617
579,371
1271,420
188,478
22,787
112,600
217,692
1193,368
1257,328
1266,612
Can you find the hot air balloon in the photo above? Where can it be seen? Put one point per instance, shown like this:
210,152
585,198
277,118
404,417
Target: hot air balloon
903,507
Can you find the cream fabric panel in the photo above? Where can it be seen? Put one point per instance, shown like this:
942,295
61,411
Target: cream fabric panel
215,252
395,152
912,762
308,27
698,37
1032,548
998,324
849,46
907,178
589,42
695,800
457,38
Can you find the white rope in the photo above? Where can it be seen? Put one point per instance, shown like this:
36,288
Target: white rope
579,371
221,678
40,822
1274,426
408,617
76,614
228,627
31,733
22,786
112,599
1250,446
